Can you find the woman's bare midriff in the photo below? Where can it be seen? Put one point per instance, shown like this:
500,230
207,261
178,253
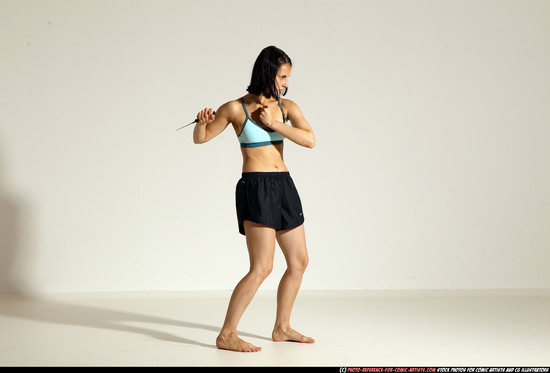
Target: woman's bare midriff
264,159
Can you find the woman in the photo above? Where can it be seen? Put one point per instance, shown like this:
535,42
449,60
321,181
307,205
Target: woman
268,206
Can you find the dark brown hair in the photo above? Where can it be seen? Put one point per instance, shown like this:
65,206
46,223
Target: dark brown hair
264,72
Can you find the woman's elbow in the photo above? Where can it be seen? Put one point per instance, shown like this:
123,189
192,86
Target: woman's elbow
199,140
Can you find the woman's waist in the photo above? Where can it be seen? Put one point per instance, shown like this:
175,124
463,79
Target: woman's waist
271,168
265,174
266,161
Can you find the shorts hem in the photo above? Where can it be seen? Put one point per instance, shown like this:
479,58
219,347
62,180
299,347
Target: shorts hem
277,229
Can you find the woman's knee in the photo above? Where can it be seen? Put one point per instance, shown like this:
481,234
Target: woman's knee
298,264
261,272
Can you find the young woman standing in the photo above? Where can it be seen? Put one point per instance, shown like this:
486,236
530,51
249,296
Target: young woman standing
268,205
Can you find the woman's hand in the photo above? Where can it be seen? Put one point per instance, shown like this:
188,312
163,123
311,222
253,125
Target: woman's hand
265,116
206,116
211,123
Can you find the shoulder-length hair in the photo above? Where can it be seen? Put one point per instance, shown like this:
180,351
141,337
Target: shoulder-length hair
264,72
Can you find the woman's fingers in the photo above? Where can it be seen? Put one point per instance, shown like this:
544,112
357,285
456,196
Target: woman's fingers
206,115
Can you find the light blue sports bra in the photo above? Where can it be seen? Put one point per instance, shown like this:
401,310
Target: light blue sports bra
253,135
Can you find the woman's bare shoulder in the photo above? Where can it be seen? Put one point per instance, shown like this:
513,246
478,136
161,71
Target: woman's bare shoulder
288,104
290,107
286,101
232,105
231,109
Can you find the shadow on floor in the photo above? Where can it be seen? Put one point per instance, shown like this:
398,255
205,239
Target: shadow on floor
55,312
16,258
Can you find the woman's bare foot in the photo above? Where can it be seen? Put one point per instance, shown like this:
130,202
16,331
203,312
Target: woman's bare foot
289,335
233,343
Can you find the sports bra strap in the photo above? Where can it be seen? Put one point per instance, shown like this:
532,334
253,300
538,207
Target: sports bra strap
244,107
280,106
282,112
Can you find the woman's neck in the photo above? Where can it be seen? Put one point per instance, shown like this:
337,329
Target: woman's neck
262,100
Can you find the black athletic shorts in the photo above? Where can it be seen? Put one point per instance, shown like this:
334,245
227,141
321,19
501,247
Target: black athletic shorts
270,199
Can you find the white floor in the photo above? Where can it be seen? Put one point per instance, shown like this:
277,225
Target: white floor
351,328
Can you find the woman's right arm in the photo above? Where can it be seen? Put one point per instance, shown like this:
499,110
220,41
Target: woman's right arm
211,125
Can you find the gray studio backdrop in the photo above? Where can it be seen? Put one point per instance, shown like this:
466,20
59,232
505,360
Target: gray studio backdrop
431,170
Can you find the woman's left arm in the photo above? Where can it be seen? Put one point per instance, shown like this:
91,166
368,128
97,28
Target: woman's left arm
300,132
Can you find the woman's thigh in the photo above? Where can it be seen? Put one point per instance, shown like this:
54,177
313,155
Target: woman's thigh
260,241
293,245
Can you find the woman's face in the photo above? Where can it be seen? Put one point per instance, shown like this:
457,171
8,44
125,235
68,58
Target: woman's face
283,73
